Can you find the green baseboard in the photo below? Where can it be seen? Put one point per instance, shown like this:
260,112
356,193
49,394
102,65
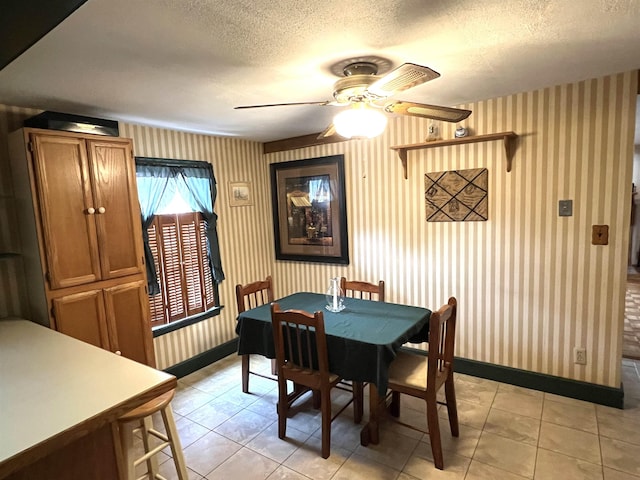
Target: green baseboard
203,359
590,392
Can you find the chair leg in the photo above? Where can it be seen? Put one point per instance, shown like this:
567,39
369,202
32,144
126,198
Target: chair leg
394,407
282,407
326,423
358,401
452,407
434,432
174,442
245,373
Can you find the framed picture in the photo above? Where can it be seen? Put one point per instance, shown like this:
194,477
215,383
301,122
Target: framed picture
310,210
240,194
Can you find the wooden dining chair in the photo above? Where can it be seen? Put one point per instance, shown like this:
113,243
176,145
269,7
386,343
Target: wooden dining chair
422,376
249,296
302,358
358,289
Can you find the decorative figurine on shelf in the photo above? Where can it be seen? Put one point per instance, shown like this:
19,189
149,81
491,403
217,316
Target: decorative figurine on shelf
335,296
432,132
461,132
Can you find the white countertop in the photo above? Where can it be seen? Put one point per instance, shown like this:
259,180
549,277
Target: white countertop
51,383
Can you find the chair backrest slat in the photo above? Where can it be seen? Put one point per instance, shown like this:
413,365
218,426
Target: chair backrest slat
307,346
287,342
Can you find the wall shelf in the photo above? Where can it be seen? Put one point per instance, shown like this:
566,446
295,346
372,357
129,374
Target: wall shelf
508,138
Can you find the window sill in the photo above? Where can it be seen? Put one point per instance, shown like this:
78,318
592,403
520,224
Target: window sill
177,325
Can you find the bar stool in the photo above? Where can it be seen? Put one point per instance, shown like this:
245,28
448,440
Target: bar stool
144,425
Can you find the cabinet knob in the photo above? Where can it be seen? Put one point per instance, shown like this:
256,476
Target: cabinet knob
102,210
118,352
91,210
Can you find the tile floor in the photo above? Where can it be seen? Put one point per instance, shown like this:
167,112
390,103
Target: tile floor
631,338
506,432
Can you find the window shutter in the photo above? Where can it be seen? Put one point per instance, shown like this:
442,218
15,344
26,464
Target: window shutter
156,302
190,262
179,247
173,280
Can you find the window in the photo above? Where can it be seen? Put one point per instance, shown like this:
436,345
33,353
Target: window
181,244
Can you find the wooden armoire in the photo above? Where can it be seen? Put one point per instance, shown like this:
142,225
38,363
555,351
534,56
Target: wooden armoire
81,235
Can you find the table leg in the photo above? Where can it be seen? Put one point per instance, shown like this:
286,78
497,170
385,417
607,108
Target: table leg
370,432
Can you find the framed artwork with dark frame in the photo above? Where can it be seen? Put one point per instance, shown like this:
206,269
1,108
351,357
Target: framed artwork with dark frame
310,210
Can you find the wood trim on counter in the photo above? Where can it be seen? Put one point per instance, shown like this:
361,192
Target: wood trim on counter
96,448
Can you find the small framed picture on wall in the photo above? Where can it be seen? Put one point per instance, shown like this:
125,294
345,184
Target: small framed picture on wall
240,194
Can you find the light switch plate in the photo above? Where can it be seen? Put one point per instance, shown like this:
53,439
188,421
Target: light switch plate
565,208
600,234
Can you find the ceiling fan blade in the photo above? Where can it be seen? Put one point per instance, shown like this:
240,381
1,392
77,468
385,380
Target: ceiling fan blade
328,132
435,112
326,102
406,76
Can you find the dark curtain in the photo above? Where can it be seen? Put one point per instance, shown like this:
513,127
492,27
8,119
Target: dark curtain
198,187
158,179
153,181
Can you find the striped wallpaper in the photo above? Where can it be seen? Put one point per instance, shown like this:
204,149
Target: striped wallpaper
529,283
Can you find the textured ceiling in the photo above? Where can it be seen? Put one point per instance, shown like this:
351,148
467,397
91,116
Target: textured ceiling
185,64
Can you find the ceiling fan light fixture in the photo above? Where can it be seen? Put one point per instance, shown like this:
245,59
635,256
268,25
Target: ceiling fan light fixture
360,121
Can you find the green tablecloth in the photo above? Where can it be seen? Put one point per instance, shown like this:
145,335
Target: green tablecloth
362,339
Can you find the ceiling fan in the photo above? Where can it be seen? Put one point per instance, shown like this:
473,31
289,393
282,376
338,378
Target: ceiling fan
366,93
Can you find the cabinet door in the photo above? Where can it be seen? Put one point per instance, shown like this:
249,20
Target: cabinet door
117,217
65,203
127,307
82,316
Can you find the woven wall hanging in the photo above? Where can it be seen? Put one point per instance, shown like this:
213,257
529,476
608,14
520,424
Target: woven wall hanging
456,195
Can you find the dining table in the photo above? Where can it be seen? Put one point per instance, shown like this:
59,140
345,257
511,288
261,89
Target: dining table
362,340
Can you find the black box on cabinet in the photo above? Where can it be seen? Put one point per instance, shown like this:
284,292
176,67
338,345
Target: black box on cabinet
73,123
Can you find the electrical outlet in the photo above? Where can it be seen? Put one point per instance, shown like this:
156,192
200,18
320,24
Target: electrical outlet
600,235
580,356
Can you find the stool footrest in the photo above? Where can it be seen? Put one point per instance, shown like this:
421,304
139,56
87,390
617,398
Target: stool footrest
151,453
154,432
146,477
